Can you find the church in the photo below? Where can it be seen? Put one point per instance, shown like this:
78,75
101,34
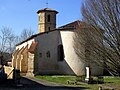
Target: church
51,50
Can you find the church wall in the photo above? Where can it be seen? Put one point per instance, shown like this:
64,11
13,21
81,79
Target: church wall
45,59
46,55
47,52
76,66
71,64
41,22
96,69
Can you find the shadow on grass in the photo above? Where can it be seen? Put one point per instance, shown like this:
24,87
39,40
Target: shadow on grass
108,82
28,84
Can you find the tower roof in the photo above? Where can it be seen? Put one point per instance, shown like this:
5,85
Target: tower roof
47,10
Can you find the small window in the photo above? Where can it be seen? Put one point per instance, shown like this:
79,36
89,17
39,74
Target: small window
48,28
39,18
60,53
40,54
48,54
48,18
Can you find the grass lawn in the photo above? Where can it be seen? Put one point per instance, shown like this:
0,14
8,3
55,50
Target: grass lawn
109,81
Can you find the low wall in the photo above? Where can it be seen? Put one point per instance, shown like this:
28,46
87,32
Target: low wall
9,71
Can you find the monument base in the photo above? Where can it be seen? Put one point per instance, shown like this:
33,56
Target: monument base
88,80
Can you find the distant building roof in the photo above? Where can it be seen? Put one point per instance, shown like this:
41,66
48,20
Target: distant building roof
47,10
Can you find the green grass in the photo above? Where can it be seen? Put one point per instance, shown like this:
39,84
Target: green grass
109,81
57,79
112,81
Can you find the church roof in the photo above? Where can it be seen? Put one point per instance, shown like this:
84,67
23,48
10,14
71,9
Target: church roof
74,25
71,26
47,10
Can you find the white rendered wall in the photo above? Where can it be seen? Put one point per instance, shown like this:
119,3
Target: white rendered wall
71,58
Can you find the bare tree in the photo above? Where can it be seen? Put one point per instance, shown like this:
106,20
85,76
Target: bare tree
26,33
7,42
7,39
102,39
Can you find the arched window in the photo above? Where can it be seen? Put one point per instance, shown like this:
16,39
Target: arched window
60,53
48,18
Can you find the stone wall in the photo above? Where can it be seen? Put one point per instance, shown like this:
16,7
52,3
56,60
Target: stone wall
30,71
24,60
43,24
47,52
9,72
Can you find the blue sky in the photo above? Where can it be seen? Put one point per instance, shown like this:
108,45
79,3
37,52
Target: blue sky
21,14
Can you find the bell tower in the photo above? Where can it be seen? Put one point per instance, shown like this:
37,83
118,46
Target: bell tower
46,20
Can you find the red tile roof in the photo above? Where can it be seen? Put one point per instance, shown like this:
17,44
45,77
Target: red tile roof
74,25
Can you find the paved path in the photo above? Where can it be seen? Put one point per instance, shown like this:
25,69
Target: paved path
35,84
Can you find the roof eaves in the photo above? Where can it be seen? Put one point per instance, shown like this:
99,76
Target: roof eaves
46,10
